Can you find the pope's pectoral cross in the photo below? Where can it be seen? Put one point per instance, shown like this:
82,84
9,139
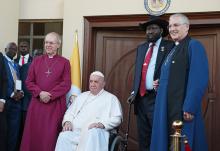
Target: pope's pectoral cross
48,72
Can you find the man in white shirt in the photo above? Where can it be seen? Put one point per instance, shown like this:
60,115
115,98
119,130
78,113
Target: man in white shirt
87,122
149,59
23,51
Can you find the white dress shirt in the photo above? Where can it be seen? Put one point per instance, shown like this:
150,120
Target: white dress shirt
152,65
26,57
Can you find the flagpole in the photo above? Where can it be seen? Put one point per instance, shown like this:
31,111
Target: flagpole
75,71
76,36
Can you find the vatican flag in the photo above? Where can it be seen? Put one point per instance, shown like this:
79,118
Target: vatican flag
75,73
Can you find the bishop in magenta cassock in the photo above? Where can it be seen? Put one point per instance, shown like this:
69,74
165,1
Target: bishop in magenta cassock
48,80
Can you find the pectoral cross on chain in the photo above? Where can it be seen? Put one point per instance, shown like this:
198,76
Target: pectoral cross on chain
48,72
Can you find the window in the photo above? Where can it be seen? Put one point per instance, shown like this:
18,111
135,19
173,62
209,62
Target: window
34,31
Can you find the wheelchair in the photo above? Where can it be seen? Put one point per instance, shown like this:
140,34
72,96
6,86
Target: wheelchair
116,142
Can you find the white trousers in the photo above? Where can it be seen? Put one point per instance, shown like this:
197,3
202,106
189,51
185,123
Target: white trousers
94,140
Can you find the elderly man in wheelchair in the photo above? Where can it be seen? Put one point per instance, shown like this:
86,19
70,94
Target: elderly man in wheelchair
89,119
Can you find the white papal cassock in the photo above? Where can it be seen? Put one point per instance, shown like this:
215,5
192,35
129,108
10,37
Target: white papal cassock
85,110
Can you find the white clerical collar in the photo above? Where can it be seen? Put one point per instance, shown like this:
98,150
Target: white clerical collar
51,56
177,43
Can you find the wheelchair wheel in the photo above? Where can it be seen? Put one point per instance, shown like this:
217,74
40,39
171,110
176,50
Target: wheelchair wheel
117,144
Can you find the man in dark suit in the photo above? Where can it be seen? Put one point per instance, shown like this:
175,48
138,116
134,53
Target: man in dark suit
13,96
150,56
23,53
3,89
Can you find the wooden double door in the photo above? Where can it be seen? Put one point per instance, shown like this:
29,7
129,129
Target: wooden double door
111,48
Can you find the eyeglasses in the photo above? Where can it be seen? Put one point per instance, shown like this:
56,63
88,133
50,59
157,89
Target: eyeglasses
50,43
175,25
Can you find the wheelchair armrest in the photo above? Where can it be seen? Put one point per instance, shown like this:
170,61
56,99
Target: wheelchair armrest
112,134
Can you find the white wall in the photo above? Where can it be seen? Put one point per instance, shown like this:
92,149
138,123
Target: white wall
75,10
9,22
13,10
41,9
72,11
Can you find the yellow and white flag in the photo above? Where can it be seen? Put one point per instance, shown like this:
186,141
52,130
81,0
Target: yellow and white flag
75,72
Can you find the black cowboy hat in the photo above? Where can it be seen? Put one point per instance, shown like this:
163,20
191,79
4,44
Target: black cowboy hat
156,20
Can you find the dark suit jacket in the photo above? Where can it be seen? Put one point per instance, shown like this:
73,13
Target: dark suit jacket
18,58
3,90
3,78
10,85
13,108
27,95
164,49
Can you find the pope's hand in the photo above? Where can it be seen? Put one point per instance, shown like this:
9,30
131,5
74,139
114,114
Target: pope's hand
96,125
67,126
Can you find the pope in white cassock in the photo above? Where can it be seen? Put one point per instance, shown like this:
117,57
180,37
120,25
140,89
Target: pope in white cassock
87,121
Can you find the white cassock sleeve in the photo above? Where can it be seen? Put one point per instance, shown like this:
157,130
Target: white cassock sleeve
114,117
69,115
